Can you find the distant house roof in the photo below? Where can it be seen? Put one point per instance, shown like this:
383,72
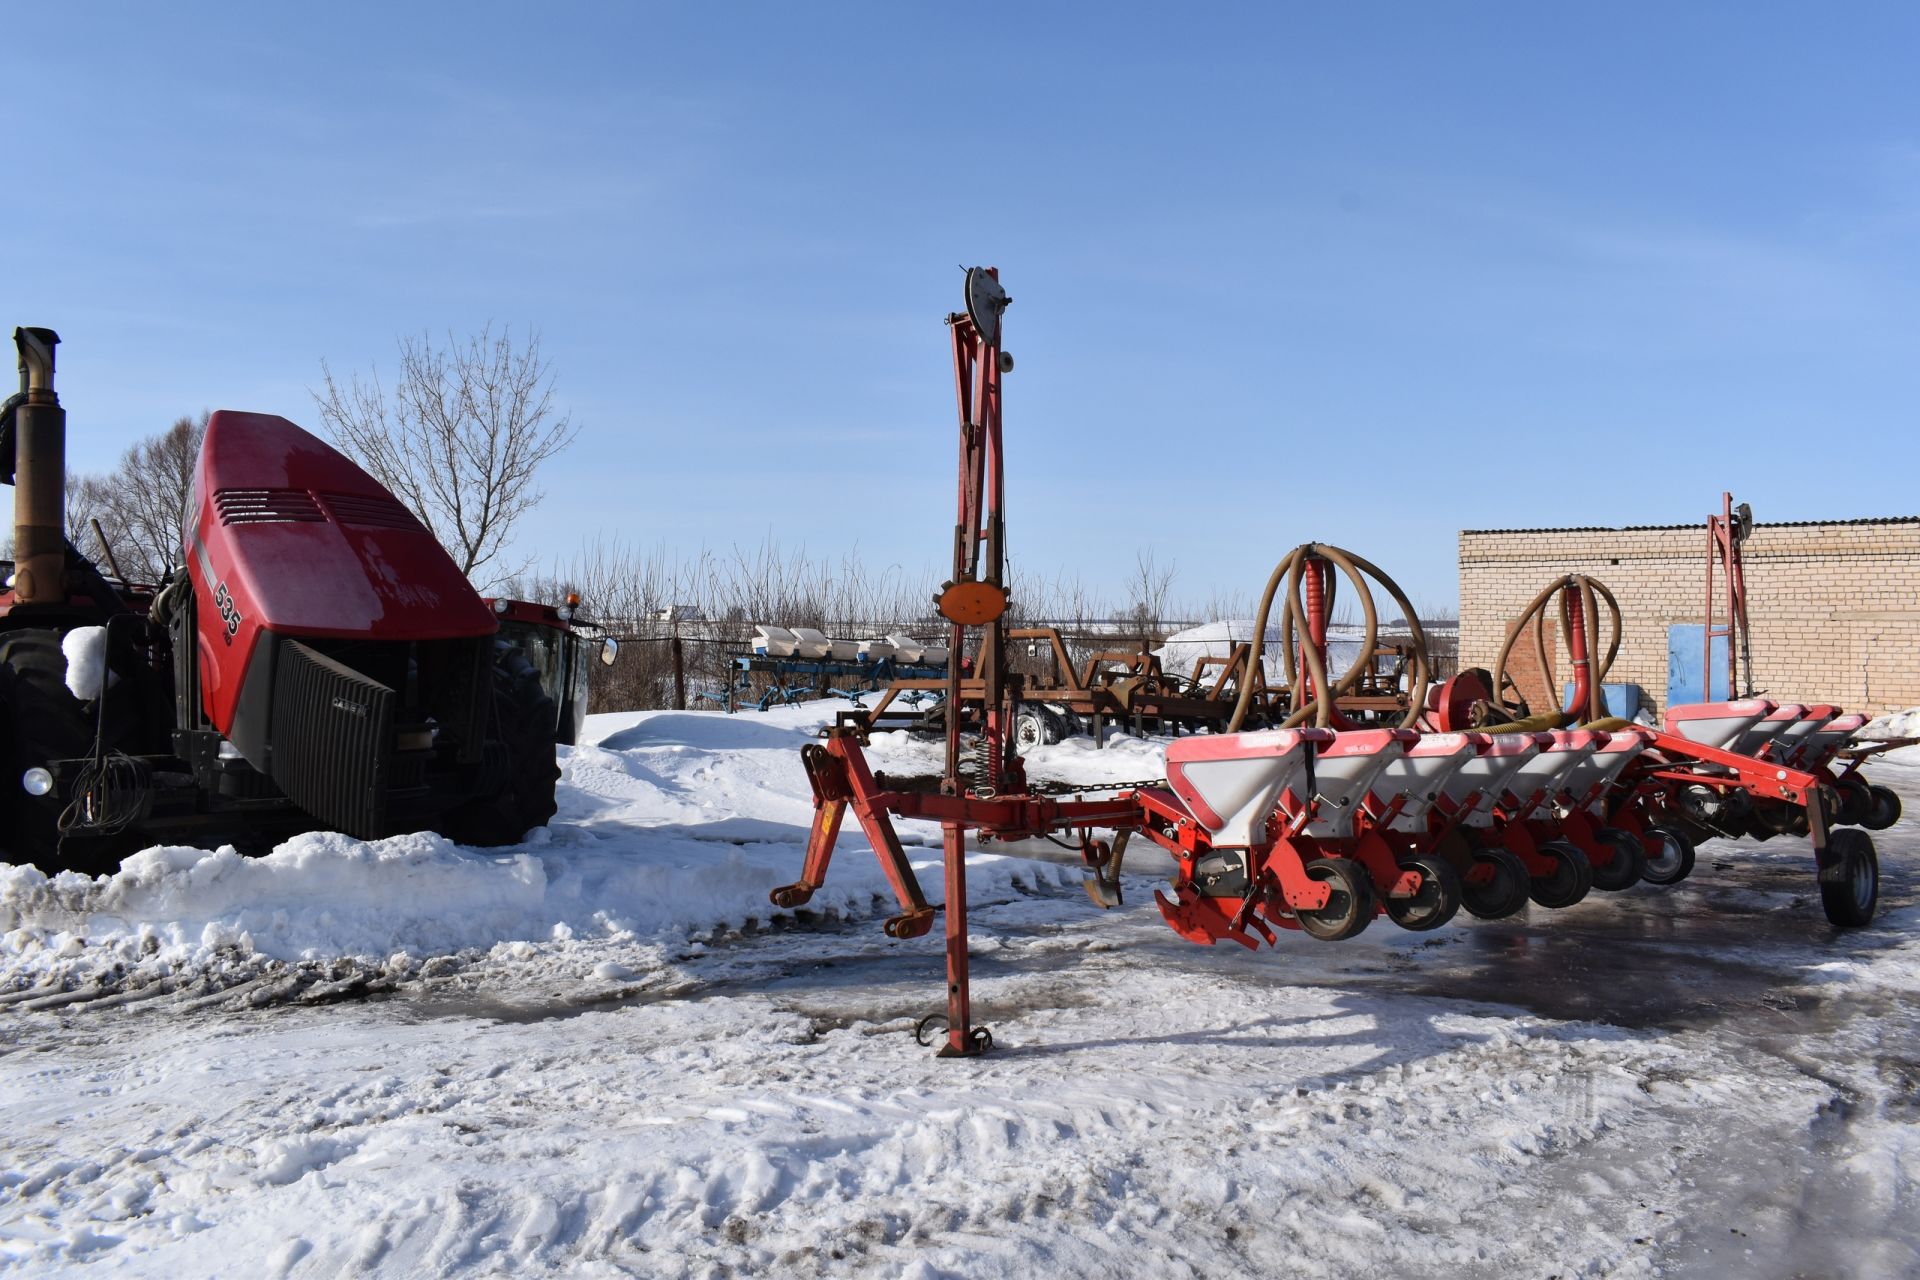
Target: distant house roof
1697,524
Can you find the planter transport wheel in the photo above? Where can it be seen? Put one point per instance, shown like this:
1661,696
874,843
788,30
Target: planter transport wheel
1849,878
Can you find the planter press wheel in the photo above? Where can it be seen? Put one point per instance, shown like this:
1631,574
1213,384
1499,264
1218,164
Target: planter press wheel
1627,866
1435,902
1774,817
1350,901
1667,855
1856,802
1885,810
1495,885
1849,878
1570,879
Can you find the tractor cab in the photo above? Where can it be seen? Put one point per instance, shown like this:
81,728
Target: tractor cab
556,642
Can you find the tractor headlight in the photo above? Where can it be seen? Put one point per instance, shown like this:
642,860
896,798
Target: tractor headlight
566,612
36,781
500,606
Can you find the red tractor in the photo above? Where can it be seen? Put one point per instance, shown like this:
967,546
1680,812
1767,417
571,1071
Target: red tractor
319,663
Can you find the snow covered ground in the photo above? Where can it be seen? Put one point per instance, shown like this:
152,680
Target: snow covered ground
602,1053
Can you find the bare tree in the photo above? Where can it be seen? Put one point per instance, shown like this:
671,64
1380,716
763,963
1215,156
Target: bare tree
141,504
459,439
151,491
1150,587
86,502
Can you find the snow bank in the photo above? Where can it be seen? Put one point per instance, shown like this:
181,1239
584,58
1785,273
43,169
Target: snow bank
678,823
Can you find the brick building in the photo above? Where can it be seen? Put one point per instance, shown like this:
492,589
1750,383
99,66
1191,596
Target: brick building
1835,605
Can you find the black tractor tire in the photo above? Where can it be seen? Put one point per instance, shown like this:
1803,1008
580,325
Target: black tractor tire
1674,862
1627,866
1885,810
1570,880
1350,901
520,773
43,721
1849,878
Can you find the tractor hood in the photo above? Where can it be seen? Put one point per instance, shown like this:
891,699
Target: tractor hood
290,535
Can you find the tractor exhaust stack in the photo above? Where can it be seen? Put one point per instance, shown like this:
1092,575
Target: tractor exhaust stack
39,475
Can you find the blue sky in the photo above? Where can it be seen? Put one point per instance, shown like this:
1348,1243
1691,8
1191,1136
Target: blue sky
1363,274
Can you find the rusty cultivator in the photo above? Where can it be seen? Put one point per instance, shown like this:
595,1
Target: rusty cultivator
1318,823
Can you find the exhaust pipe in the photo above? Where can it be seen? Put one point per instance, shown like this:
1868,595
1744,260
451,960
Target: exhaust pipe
40,475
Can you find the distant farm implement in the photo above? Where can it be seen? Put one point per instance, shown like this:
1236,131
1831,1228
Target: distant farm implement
1126,689
1340,794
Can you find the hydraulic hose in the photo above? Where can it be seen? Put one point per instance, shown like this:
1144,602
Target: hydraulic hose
1306,659
1578,611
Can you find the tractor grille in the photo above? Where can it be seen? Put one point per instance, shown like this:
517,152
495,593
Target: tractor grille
332,735
266,506
375,512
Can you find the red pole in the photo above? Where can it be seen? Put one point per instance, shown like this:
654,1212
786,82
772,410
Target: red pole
1314,629
1727,554
1574,612
1706,640
960,1041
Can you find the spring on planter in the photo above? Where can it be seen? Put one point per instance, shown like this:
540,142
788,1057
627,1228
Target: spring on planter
978,765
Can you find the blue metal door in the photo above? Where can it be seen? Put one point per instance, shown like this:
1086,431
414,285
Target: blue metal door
1686,682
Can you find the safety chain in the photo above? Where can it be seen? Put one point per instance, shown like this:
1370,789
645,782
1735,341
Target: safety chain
1052,788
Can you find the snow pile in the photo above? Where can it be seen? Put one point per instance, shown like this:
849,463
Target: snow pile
86,650
1124,758
1894,724
1217,640
676,824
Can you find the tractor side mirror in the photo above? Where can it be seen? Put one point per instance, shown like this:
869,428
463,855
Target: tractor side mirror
609,650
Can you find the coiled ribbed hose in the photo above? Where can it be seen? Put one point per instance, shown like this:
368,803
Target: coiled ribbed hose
1321,708
1580,613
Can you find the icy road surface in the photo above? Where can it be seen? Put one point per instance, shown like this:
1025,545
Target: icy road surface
601,1054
